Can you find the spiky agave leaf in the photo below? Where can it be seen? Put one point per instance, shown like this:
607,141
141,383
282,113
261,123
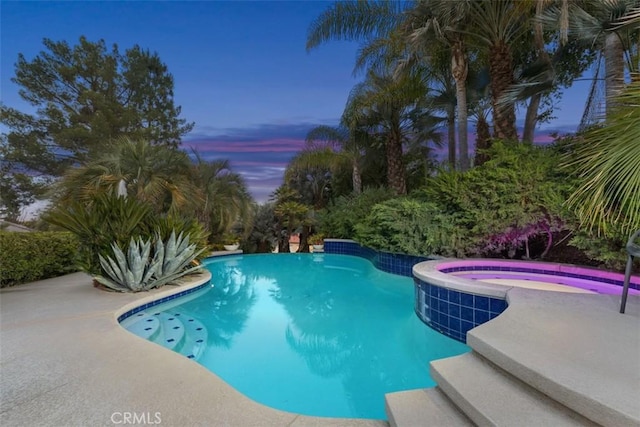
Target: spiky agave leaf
133,272
172,258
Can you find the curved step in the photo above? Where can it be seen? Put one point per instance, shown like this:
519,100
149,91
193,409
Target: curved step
490,396
143,325
575,348
427,406
172,331
196,335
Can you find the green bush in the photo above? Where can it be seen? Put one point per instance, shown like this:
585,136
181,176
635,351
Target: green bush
491,210
26,257
339,221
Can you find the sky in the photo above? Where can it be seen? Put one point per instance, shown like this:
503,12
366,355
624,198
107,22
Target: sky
240,68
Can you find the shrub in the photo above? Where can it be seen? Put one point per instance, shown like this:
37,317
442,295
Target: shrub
339,221
25,257
501,205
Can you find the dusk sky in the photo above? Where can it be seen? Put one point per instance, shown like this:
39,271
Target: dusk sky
240,68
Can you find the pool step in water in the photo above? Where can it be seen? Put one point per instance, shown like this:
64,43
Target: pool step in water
195,338
179,332
423,407
490,396
144,325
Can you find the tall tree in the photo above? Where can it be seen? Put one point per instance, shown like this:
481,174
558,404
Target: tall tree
225,199
612,26
437,26
347,141
86,96
387,106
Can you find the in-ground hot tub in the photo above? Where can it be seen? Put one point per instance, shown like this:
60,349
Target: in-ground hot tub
454,296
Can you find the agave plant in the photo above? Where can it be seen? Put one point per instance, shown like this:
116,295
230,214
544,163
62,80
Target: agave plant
132,272
138,271
173,257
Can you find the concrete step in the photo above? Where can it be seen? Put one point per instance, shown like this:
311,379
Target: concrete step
490,396
423,407
577,349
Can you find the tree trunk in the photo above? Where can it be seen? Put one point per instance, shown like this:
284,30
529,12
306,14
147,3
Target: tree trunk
531,119
501,71
283,244
614,68
304,240
483,140
395,166
459,69
356,178
264,247
451,138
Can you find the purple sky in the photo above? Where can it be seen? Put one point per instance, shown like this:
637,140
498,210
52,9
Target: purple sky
240,68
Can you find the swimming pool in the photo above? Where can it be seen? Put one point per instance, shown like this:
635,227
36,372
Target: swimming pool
316,334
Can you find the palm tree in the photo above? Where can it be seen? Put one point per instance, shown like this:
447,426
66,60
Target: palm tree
225,199
608,164
440,23
290,213
347,142
387,107
154,174
611,26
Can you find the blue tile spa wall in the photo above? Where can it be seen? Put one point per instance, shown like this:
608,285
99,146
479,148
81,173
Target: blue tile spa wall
399,264
454,313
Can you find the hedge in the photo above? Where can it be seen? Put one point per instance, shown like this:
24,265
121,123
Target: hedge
26,257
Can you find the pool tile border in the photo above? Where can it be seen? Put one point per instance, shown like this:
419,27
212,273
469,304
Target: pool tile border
399,264
153,303
633,284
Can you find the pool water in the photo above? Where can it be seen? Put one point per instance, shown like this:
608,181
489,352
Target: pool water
316,334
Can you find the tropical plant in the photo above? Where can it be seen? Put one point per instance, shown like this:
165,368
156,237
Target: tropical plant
611,26
434,27
105,220
131,272
338,145
173,257
388,107
153,174
607,162
226,201
263,235
139,270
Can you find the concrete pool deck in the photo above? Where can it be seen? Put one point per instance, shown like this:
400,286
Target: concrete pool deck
65,361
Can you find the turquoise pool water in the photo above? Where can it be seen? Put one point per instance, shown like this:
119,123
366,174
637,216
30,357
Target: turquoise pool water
317,334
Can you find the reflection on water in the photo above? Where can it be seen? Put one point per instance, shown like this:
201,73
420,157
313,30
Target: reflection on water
324,335
227,305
